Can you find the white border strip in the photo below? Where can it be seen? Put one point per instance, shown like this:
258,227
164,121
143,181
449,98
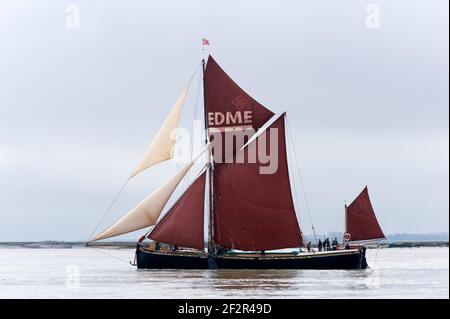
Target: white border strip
262,129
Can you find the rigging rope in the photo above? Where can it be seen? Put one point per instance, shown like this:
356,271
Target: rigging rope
301,180
110,255
187,180
108,209
295,189
197,100
339,222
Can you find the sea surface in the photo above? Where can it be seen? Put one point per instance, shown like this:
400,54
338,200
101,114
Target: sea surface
107,273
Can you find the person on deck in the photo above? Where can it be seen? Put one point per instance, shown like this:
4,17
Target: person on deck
327,244
308,247
320,245
346,241
335,244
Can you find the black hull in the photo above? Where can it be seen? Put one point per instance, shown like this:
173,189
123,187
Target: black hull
345,259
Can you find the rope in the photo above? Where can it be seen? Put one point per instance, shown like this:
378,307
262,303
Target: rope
196,100
187,180
115,257
295,191
196,103
339,221
102,219
108,209
301,181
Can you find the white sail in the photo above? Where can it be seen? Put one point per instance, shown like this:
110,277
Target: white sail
161,148
147,212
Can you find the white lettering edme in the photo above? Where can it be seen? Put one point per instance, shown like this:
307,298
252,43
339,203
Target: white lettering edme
229,118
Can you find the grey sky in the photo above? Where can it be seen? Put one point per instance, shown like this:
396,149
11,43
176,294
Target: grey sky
78,107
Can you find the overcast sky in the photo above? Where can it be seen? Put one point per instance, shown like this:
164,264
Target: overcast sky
367,104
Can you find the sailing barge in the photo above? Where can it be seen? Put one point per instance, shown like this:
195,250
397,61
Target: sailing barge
248,202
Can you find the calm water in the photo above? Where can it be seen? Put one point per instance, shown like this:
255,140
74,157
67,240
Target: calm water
90,273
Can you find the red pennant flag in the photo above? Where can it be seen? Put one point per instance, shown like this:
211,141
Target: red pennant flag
205,41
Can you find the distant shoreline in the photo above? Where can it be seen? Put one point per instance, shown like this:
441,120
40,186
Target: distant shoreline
66,244
413,244
127,245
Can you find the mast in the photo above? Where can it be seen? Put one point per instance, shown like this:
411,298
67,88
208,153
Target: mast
345,216
345,224
211,246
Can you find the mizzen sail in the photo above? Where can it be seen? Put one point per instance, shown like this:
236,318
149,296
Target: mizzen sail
183,224
361,222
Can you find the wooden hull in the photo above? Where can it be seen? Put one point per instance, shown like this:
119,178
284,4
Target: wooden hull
342,259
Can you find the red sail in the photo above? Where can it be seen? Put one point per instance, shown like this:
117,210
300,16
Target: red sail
227,104
183,224
361,222
254,211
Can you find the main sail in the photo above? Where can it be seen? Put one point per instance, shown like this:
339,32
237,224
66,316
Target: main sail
223,95
251,211
361,222
183,224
